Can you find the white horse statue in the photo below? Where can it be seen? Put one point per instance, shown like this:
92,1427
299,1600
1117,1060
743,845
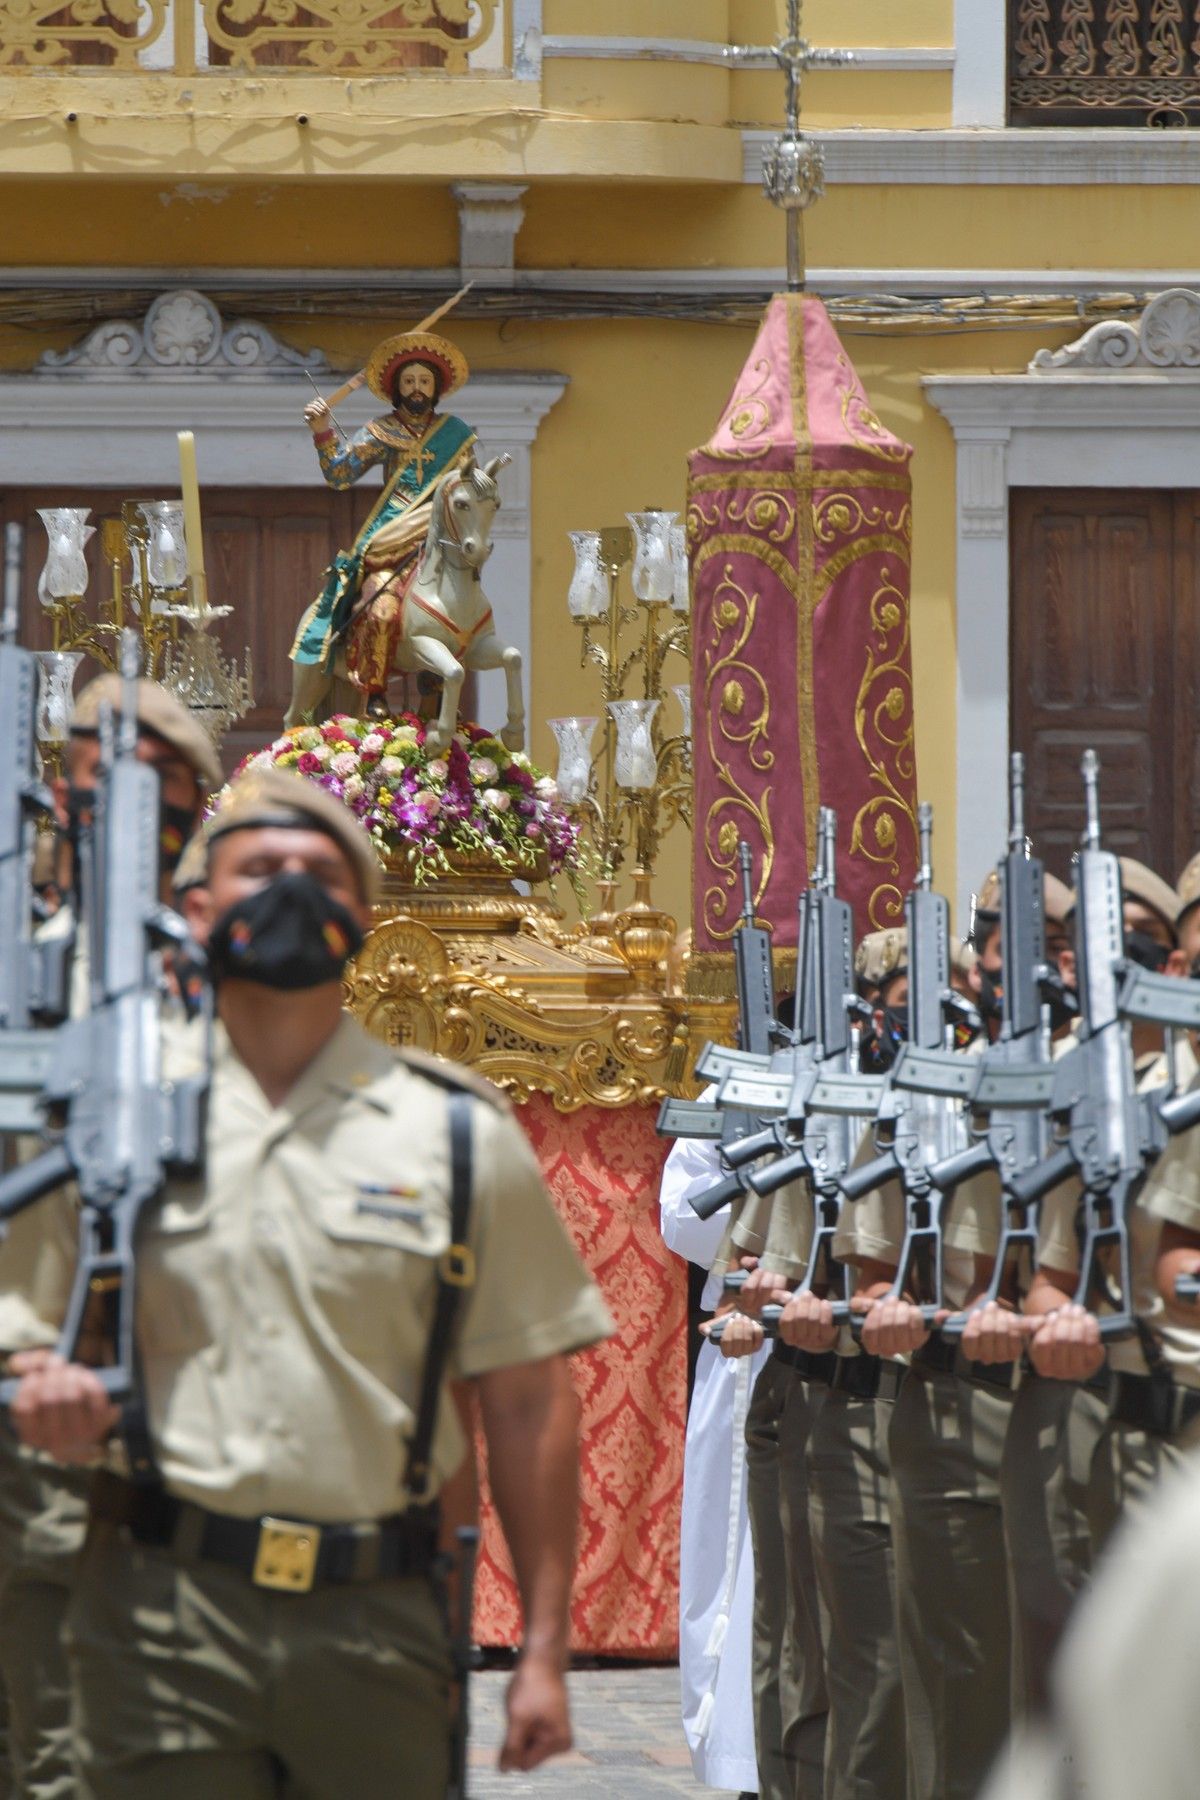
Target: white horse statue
447,622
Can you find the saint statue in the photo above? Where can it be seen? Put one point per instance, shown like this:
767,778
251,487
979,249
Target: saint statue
360,610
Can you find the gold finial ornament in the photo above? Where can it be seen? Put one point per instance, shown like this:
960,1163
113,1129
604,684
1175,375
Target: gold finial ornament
794,165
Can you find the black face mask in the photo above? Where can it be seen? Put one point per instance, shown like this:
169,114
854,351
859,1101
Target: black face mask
991,992
176,824
874,1056
1142,949
895,1027
175,827
291,935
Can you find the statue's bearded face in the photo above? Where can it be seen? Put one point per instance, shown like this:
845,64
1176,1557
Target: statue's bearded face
416,391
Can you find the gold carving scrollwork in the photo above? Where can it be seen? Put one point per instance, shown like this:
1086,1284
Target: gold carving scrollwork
883,707
112,34
348,35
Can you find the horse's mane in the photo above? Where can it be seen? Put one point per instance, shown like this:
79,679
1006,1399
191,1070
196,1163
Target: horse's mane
486,488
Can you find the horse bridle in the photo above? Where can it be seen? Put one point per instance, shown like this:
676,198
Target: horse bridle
451,544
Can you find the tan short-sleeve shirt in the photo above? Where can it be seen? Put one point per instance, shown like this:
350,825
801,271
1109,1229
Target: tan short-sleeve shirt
285,1300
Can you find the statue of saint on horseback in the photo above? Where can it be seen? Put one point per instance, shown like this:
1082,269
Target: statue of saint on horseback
407,595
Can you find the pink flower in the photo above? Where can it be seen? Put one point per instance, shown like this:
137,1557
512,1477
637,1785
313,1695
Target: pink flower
344,763
427,799
483,770
496,800
308,764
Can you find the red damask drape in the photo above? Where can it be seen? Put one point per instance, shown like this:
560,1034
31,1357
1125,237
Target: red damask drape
603,1169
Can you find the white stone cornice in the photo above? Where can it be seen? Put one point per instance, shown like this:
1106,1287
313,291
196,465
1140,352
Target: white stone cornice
1099,157
180,330
490,215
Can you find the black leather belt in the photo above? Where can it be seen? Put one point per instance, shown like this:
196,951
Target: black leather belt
947,1359
867,1377
290,1555
1095,1384
812,1368
1153,1403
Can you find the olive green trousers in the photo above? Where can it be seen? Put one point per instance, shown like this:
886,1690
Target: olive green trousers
190,1683
43,1516
790,1702
945,1444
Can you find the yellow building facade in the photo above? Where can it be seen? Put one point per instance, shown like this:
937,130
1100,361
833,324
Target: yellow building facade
327,173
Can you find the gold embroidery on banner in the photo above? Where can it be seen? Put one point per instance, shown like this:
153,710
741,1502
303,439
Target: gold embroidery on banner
774,515
862,423
731,481
885,699
840,513
854,552
747,416
804,588
742,691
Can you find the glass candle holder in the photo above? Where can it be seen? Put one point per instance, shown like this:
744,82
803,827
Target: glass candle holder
574,775
65,572
636,762
653,565
681,596
56,702
683,693
587,596
166,552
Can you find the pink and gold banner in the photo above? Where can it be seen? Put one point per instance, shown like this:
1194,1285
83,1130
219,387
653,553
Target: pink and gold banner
800,534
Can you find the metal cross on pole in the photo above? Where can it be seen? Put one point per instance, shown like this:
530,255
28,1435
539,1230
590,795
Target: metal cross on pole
794,165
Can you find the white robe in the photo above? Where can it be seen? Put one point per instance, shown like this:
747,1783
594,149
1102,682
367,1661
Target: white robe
716,1565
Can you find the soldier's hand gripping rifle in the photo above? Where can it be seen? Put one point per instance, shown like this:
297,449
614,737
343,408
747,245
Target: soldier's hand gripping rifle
920,1119
33,977
1015,1075
1106,1133
125,1126
817,1147
723,1123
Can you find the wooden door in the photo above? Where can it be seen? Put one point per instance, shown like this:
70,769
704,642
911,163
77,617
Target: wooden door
1103,654
265,551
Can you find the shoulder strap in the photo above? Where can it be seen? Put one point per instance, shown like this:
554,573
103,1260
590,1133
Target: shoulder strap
456,1273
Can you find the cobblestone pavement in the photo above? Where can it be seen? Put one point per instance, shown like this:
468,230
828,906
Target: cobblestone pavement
628,1741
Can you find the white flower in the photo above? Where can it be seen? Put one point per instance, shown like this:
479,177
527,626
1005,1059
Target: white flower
353,788
391,766
519,757
403,734
264,760
483,770
546,788
322,752
344,763
496,800
437,771
373,742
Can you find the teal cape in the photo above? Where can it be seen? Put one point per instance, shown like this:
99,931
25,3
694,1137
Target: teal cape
328,617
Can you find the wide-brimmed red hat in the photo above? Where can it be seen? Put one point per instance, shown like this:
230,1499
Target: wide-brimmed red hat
387,360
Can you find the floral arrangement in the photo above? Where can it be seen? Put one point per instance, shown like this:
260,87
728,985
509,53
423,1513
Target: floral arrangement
476,798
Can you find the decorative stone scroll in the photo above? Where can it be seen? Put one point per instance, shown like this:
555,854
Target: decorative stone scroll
181,330
1167,336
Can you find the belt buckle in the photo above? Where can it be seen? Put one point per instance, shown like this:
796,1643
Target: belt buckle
287,1556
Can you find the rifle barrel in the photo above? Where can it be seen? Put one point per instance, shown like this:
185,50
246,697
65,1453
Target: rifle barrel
1018,844
1091,787
925,828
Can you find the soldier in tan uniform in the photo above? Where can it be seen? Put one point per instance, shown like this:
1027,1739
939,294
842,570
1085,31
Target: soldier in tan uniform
1187,919
262,1619
790,1695
42,1512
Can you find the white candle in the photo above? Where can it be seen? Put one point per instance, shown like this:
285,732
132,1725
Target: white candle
191,517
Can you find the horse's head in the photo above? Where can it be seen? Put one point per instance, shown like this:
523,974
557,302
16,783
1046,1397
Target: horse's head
466,502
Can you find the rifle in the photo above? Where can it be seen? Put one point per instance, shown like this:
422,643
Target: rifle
1105,1132
919,1121
1015,1074
728,1122
123,1126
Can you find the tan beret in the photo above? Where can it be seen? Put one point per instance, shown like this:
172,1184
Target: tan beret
278,797
1188,887
1140,883
1057,898
881,954
158,711
192,868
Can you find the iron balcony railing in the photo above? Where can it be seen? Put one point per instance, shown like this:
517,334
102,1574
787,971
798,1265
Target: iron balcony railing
1104,62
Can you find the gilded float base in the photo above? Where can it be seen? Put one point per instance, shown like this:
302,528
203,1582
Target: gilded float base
469,968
